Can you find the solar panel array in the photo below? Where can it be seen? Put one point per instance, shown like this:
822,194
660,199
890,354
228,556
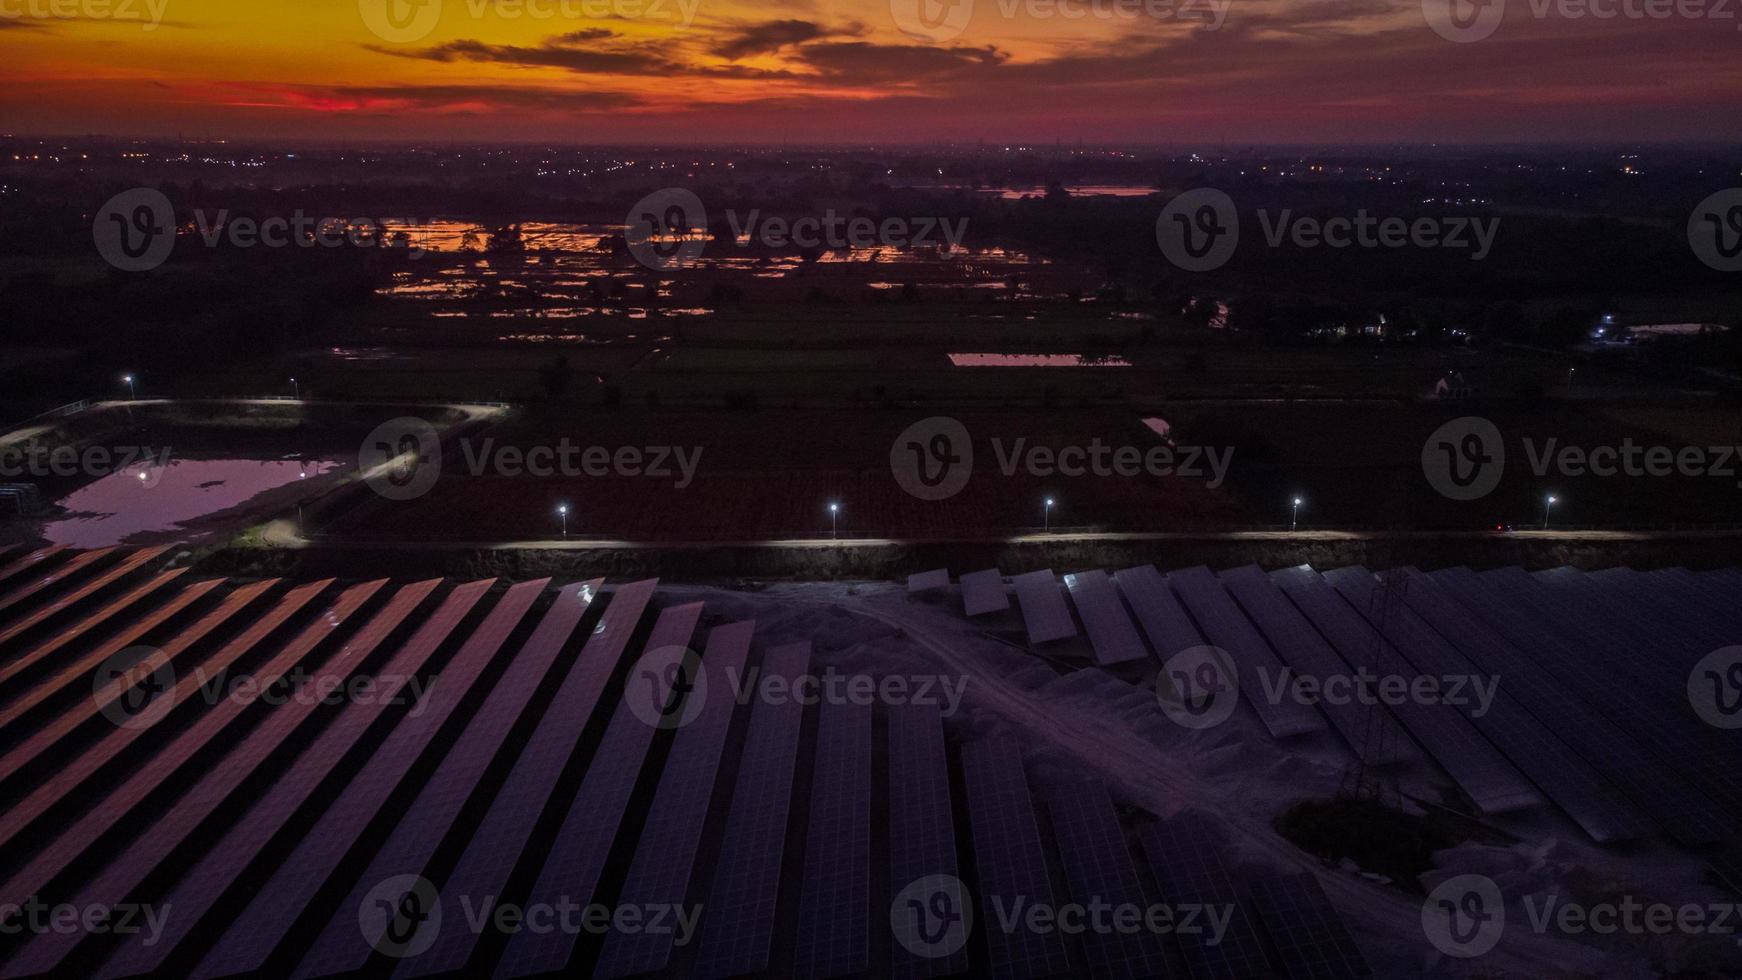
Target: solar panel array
739,930
1227,627
1562,744
1307,654
1043,607
834,925
1110,630
922,827
577,858
1188,856
672,834
1314,943
1098,866
983,592
1479,769
265,825
1009,860
928,581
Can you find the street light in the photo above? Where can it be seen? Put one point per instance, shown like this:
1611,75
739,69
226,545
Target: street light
1294,519
834,520
132,395
296,388
1047,515
1550,502
562,511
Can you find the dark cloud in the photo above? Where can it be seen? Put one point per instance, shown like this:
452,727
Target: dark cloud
585,35
772,36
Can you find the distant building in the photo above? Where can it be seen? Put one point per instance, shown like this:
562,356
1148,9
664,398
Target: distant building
1659,330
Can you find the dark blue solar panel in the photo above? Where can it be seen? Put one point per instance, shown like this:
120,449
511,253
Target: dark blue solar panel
199,891
1110,630
583,845
922,831
834,924
1228,628
665,858
252,938
1187,855
1314,943
1308,655
1098,865
1009,861
1164,621
1565,739
341,947
739,923
502,837
1485,775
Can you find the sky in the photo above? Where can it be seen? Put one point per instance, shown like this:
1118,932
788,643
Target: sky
876,71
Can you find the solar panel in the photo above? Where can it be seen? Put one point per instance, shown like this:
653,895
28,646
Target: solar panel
1314,943
1684,743
1104,617
69,570
1043,608
341,947
983,592
1485,776
1185,854
922,830
130,868
1009,862
39,655
1308,655
1228,628
927,581
739,926
202,888
1726,866
834,925
36,559
258,931
90,587
1673,620
115,700
1566,750
1098,865
577,858
500,841
672,834
1164,621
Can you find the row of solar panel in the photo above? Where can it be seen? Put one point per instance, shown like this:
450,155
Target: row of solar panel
1618,758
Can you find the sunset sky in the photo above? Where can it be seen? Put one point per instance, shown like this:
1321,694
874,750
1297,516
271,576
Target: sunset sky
816,71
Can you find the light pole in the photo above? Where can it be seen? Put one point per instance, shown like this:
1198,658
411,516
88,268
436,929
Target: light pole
132,394
1294,518
1550,502
296,389
562,511
1046,515
834,520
